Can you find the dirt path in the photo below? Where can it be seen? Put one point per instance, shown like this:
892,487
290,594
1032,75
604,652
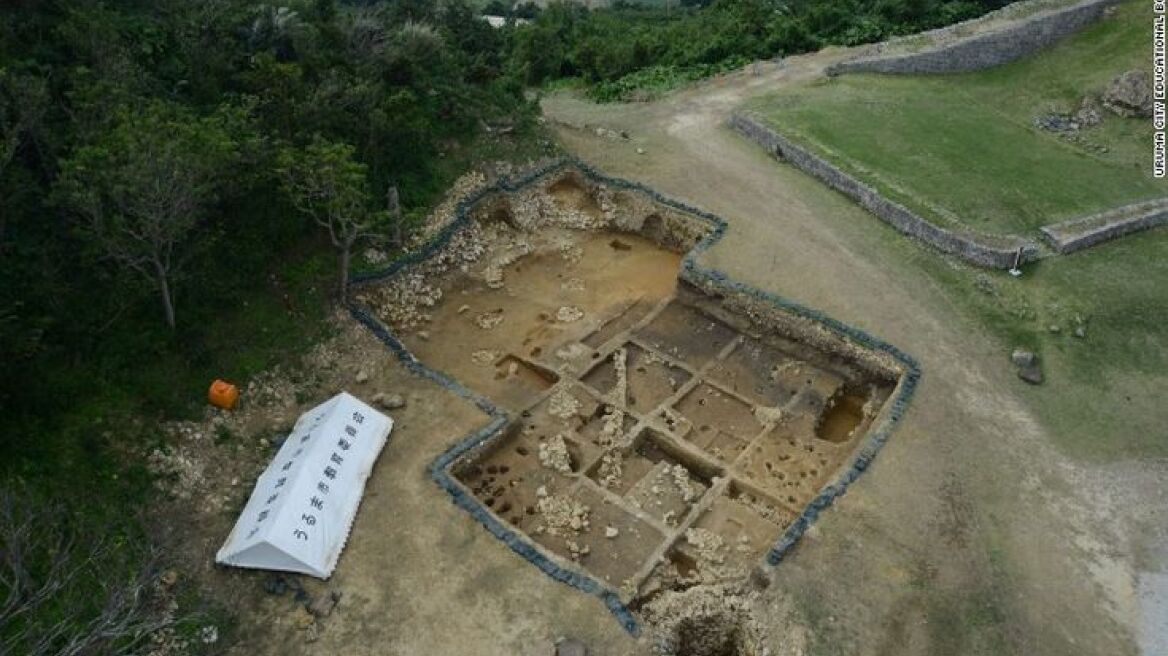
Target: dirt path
971,534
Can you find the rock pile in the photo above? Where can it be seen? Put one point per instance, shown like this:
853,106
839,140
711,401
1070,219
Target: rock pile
1028,367
1069,125
553,454
1130,95
706,620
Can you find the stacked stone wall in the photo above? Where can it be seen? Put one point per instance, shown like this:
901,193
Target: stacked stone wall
992,252
983,50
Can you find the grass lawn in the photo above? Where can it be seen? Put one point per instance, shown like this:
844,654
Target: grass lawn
1103,395
962,149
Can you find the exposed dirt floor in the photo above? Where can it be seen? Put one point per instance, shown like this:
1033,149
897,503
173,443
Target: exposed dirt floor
970,534
649,432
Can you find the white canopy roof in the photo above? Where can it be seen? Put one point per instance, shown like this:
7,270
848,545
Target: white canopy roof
299,515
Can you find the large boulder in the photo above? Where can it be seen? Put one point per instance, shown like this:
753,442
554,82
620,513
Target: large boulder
1130,95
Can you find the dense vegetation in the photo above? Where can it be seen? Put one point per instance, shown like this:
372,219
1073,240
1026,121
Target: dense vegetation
630,51
142,175
182,180
156,231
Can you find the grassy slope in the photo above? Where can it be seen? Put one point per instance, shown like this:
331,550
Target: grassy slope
1102,398
961,147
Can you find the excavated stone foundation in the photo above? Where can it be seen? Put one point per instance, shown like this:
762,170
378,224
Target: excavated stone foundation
659,427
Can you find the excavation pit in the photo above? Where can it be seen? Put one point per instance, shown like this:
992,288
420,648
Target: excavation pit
659,430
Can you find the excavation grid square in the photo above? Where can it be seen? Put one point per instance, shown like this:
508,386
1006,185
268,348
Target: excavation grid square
658,436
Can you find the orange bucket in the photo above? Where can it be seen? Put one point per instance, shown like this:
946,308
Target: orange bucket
223,394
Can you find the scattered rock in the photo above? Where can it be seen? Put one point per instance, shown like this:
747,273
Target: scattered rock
640,151
389,401
768,414
489,320
275,585
1080,332
300,595
572,285
1089,114
564,516
569,314
1023,358
1054,328
1056,123
168,578
1028,366
1130,95
563,404
323,605
361,376
569,647
463,309
423,335
708,544
708,619
611,532
303,620
1031,374
554,455
484,357
209,635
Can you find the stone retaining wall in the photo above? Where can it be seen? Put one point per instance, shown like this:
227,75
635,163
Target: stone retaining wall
1072,235
997,252
984,50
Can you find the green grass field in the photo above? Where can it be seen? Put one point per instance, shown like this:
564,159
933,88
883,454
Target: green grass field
961,148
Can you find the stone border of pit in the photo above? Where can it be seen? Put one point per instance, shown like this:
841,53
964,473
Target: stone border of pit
819,329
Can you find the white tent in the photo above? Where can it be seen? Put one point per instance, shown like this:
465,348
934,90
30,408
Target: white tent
299,515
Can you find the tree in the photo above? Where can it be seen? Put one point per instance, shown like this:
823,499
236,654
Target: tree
142,188
326,183
23,100
70,586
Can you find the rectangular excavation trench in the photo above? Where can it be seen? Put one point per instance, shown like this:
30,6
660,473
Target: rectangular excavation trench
660,437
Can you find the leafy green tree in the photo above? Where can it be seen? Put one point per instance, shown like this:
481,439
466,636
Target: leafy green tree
23,101
496,8
142,189
325,182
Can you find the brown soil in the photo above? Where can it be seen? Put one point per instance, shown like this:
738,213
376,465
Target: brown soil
622,410
969,511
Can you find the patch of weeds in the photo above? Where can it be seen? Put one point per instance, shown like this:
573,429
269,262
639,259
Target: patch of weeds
968,621
223,435
304,395
653,82
208,628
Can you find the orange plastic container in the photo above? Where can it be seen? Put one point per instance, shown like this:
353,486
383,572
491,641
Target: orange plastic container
223,394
